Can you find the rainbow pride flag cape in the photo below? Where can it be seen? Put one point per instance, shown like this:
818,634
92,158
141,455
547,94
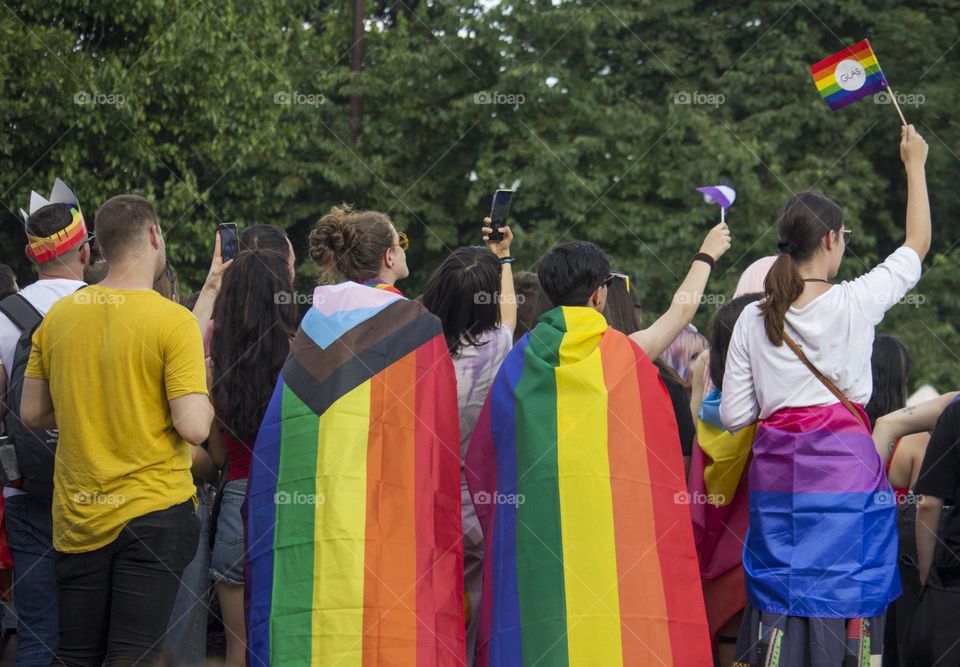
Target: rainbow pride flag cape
848,75
353,522
822,540
576,474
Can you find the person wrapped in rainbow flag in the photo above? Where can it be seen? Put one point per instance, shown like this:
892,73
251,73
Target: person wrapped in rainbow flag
353,531
576,474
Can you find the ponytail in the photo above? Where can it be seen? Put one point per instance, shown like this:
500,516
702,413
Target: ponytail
782,286
803,221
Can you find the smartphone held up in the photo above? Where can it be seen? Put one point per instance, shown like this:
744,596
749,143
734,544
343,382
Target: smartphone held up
499,209
229,242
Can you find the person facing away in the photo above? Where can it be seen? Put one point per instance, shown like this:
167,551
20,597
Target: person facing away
472,294
576,475
60,260
251,340
821,549
119,370
353,494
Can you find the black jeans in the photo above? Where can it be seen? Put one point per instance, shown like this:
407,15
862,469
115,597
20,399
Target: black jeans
115,601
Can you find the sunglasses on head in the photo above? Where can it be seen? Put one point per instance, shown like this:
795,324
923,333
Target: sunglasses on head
616,274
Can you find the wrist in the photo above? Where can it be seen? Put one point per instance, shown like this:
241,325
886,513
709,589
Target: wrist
506,260
706,258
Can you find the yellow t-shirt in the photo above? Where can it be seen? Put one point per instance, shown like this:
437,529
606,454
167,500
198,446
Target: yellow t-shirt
114,359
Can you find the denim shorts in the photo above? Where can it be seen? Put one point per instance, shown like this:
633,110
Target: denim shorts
226,565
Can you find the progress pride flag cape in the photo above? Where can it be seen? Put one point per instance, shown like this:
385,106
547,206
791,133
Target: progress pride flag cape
576,474
353,528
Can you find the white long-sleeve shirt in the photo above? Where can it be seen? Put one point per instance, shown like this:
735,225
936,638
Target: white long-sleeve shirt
835,331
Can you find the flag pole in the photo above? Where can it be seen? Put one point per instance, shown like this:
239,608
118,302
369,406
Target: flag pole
893,98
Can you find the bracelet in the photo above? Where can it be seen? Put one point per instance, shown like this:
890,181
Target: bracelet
704,257
507,260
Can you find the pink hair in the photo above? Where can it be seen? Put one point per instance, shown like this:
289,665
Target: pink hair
751,280
683,350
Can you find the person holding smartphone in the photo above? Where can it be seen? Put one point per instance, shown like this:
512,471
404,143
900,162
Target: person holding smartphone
472,293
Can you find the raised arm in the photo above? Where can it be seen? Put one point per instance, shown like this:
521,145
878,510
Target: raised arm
657,337
913,419
203,308
913,152
508,298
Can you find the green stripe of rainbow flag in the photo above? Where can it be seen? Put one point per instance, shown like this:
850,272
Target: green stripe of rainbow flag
354,555
576,474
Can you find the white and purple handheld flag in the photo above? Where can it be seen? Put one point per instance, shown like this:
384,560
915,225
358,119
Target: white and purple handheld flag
723,195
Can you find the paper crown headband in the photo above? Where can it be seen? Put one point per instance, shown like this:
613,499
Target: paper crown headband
44,248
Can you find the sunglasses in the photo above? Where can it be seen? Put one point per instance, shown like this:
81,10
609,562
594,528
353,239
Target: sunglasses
613,275
623,276
847,234
404,242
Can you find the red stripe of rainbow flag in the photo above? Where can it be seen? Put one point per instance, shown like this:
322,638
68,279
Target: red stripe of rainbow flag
835,87
594,561
354,552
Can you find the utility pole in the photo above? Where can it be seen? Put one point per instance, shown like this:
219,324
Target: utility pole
356,66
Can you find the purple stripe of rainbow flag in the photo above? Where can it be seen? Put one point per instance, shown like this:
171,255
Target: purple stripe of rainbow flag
596,565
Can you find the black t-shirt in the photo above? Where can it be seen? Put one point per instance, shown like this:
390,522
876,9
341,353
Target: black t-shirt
940,478
940,472
681,408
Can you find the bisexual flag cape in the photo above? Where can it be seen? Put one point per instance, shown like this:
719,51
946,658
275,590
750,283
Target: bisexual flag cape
576,474
353,522
822,540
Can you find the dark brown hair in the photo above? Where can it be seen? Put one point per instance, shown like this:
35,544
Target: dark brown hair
720,331
254,316
464,292
121,224
803,221
349,245
622,311
532,302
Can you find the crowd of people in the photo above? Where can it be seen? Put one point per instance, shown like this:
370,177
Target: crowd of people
509,469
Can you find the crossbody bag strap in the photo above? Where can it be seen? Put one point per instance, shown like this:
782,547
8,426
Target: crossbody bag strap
823,379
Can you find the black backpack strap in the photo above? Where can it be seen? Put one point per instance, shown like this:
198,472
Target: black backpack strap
21,312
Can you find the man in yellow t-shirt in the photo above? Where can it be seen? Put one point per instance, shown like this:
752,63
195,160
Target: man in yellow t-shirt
120,371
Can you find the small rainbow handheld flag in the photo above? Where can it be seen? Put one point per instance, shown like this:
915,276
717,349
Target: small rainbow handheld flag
576,475
354,553
849,75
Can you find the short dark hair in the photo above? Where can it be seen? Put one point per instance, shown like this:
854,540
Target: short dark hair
8,281
464,292
120,224
571,271
264,237
49,220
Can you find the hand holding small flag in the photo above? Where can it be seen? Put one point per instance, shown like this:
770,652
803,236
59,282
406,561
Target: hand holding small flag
913,148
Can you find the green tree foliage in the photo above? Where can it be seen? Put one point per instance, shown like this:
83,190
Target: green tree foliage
606,112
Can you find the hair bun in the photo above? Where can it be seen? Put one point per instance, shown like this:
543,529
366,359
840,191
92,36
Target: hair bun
332,236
